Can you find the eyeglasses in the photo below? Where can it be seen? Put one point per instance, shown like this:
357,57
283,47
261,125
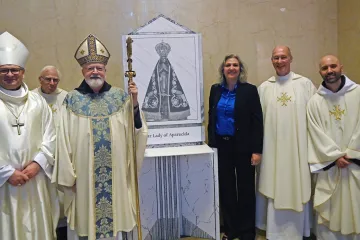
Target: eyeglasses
4,71
92,69
48,79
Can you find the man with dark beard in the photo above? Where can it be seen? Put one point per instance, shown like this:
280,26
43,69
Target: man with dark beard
334,153
95,157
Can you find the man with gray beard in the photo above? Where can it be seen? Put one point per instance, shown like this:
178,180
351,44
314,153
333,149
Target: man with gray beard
94,151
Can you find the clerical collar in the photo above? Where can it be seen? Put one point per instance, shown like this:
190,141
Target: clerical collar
14,93
341,85
57,91
15,97
285,77
85,88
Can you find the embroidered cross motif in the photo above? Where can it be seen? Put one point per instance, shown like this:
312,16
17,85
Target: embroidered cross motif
53,109
284,99
82,52
337,112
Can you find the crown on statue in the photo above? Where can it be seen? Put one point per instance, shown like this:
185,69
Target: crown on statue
91,50
163,49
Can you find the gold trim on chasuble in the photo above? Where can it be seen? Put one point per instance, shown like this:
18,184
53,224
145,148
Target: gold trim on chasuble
284,99
337,112
99,107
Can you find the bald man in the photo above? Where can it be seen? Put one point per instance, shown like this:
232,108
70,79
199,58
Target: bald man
334,152
284,183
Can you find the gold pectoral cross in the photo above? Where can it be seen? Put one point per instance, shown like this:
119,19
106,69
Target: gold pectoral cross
337,112
284,99
18,125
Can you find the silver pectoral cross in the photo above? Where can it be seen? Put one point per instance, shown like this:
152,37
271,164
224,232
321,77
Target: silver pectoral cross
18,125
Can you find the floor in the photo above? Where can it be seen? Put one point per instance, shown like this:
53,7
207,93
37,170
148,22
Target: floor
191,238
260,236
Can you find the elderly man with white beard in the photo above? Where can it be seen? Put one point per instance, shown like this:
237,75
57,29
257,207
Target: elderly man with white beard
94,151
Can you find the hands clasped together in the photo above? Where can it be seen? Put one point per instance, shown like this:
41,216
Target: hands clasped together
21,177
343,162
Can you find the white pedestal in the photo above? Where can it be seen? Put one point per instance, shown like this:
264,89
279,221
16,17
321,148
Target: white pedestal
179,193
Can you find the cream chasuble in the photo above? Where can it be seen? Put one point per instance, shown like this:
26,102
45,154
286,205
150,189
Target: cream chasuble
55,100
284,183
29,211
334,131
95,151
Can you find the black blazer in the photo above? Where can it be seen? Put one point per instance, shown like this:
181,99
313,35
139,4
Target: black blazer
249,127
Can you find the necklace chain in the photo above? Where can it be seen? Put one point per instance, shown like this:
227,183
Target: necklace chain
16,117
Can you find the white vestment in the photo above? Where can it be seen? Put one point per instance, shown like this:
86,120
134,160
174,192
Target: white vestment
30,211
95,151
55,100
283,182
334,131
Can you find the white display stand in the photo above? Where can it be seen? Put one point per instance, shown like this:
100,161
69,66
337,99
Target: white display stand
179,193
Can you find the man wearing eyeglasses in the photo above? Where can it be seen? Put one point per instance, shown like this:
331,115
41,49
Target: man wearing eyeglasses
284,183
28,200
95,151
49,79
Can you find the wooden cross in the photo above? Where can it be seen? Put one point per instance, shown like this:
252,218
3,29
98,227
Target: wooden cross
18,125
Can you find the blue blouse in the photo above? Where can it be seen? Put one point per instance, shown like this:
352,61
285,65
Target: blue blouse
225,112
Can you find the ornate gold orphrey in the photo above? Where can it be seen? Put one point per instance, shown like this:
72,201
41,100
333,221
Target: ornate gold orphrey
284,99
337,112
130,74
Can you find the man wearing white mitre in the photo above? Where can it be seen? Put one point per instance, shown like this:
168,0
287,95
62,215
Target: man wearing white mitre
334,153
28,200
96,151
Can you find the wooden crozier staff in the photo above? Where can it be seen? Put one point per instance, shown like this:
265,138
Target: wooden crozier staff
130,74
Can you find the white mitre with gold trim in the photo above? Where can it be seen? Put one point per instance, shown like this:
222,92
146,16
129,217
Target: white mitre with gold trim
12,51
91,50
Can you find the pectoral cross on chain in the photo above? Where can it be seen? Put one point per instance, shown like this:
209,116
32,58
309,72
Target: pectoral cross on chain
18,125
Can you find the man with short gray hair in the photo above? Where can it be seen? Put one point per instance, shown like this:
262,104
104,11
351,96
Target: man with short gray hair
49,79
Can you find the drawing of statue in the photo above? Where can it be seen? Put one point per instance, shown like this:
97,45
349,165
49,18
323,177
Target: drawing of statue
165,99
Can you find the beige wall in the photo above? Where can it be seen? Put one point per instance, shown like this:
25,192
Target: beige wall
349,37
52,30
